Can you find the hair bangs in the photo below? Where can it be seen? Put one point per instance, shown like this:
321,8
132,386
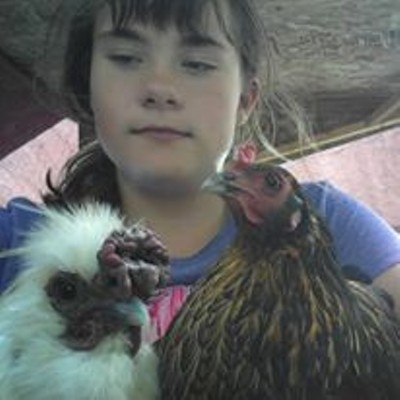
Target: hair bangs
187,16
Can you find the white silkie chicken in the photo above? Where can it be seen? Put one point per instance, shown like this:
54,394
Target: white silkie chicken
71,323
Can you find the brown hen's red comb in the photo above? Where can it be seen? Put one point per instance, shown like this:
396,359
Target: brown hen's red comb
245,153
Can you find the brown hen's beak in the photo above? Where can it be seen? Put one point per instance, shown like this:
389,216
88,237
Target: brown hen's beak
222,183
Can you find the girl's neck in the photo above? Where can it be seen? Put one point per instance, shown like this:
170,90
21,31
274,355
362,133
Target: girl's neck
185,224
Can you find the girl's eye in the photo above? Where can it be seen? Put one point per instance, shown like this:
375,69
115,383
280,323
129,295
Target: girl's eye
125,59
273,181
198,66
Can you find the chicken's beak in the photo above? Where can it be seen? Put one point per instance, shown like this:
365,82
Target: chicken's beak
219,183
134,312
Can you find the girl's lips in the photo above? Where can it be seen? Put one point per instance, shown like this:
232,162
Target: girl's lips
161,133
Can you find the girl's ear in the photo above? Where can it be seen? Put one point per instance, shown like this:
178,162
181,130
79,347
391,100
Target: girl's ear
248,101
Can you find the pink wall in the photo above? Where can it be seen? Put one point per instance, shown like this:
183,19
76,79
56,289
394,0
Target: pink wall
22,172
367,168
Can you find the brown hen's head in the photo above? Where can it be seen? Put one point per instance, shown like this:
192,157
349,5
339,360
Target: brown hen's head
262,196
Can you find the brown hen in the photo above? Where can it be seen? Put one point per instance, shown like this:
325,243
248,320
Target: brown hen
275,319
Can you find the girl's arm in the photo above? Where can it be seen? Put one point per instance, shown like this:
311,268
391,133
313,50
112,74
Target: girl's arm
361,237
5,243
16,218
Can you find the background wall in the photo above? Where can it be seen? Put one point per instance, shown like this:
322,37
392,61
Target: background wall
367,168
23,172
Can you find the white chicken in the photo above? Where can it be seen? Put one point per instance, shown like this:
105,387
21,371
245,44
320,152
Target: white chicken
71,323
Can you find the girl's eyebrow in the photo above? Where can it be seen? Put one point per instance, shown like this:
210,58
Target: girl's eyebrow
194,39
189,39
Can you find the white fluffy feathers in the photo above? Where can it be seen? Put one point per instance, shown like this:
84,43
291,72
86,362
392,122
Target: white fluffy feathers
35,363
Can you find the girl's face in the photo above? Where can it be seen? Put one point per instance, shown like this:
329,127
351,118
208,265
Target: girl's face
166,103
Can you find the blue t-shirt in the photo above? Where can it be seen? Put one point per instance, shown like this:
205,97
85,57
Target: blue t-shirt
361,238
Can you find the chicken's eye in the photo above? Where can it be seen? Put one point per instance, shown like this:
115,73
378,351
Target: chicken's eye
63,287
273,181
66,290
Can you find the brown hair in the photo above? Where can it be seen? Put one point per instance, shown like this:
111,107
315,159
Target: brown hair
90,173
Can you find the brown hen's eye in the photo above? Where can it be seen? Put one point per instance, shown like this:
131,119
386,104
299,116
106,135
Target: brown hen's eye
273,181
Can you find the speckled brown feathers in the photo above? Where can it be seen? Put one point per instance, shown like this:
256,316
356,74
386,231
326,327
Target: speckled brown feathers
275,318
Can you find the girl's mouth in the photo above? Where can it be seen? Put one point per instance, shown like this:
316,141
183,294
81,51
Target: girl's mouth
161,133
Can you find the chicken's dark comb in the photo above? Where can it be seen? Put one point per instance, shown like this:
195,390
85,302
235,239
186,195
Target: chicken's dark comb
133,262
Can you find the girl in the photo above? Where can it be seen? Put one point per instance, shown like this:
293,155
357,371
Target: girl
168,87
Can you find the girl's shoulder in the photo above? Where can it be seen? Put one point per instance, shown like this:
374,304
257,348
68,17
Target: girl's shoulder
324,195
362,238
334,204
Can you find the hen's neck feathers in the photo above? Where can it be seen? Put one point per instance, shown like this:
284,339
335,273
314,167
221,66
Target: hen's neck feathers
309,247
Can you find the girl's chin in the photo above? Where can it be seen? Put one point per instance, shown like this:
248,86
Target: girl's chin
163,186
163,183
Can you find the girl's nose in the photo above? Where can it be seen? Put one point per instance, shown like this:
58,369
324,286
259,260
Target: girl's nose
160,93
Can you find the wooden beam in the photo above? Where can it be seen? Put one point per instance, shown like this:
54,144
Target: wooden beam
389,111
